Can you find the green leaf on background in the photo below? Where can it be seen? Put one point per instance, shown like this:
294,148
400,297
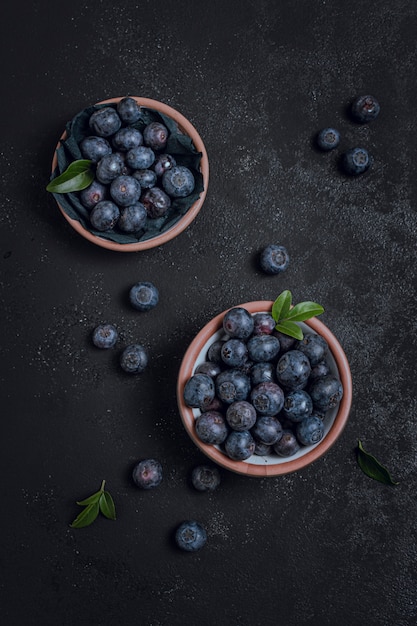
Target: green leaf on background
91,499
304,311
101,501
107,505
87,516
290,328
373,468
76,177
282,305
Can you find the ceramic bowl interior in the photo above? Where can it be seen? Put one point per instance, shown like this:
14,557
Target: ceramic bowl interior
188,129
271,465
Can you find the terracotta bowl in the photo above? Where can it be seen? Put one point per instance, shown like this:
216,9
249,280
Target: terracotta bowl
187,128
272,465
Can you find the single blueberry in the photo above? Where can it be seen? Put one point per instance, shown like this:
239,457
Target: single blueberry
105,336
313,346
134,359
147,178
95,148
132,218
238,322
356,161
163,163
319,370
104,215
232,385
297,405
293,369
262,348
262,449
267,398
267,430
209,368
199,390
241,415
105,122
127,138
262,373
364,109
205,478
234,352
109,167
211,427
326,392
178,181
129,110
310,430
214,352
93,194
156,202
140,158
274,259
328,139
263,324
125,190
288,445
239,445
155,135
190,536
144,296
147,474
285,341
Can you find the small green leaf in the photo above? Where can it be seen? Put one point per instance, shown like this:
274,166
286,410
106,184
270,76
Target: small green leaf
373,468
282,305
87,516
304,311
91,499
107,505
290,328
76,177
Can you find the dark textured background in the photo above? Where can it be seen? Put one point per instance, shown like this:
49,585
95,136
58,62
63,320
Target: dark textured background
257,78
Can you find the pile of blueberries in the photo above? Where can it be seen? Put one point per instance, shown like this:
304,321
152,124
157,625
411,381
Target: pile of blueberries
262,392
357,160
135,179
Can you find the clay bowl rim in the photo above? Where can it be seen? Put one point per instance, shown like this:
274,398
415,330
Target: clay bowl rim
292,464
187,127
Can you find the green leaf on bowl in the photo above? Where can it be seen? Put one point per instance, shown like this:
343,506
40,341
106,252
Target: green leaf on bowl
76,177
304,311
286,316
373,468
290,328
282,305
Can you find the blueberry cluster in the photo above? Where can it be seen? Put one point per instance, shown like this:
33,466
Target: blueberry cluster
261,392
136,180
357,160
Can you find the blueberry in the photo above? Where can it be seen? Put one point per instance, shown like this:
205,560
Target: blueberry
262,449
109,167
234,352
293,369
365,109
178,181
147,178
310,430
94,193
285,341
262,373
127,138
267,398
147,474
125,190
132,218
263,324
140,158
239,446
190,536
328,139
129,110
274,259
319,370
326,392
214,353
104,215
232,385
95,148
288,445
267,430
155,135
297,405
209,368
205,478
314,347
144,296
199,390
105,336
163,163
156,202
356,161
105,122
211,427
241,415
262,348
134,359
238,322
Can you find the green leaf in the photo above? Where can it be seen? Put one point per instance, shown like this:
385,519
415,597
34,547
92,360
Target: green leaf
107,505
290,328
304,311
91,499
282,305
373,468
76,177
87,516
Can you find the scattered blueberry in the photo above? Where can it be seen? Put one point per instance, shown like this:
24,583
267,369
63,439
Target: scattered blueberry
178,181
104,215
105,336
274,259
134,359
132,218
190,536
144,296
155,135
365,109
105,122
356,161
205,478
95,148
328,139
147,474
129,110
